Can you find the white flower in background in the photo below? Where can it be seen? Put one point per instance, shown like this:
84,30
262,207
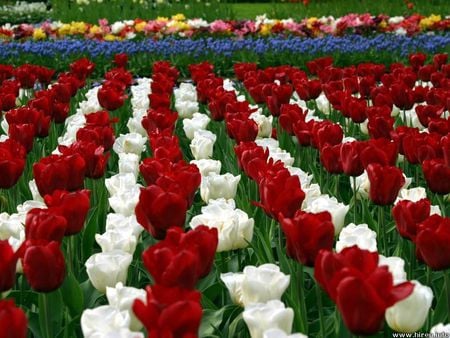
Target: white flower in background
323,104
359,235
336,209
413,194
409,314
197,122
362,185
267,143
396,266
202,144
185,92
120,183
134,125
34,191
311,193
440,328
22,209
278,154
73,123
207,166
277,333
117,27
264,124
122,298
271,315
116,240
130,143
234,227
125,202
129,163
186,109
15,243
123,224
108,268
103,319
216,186
305,179
256,284
139,98
197,23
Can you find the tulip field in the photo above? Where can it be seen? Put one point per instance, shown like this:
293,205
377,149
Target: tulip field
153,190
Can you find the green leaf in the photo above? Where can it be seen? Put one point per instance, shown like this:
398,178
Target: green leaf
72,295
211,321
51,309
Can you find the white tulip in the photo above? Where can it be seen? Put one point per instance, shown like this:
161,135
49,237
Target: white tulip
311,193
336,209
256,284
362,184
202,144
130,143
120,183
122,298
413,194
103,319
34,191
134,125
125,202
10,226
216,186
323,104
129,163
185,92
396,266
22,209
305,179
207,166
264,124
197,122
267,143
278,154
234,227
271,315
116,240
359,235
277,333
409,314
440,328
124,224
186,109
108,268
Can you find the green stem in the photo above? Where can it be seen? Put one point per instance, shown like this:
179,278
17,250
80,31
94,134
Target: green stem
382,229
301,292
355,198
320,309
447,290
412,260
46,318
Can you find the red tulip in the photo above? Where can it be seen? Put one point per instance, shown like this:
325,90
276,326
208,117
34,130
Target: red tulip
110,97
280,192
170,312
381,150
59,172
82,68
165,145
8,262
121,60
306,234
433,236
45,224
24,134
351,157
242,130
385,183
100,135
12,162
44,266
289,114
159,119
158,210
182,258
25,115
417,60
408,215
73,206
437,175
330,157
326,132
353,279
13,322
240,69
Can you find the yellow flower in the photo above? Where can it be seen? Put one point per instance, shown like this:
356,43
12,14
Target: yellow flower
383,24
39,34
428,22
110,37
265,29
162,18
78,28
178,17
95,30
64,29
139,27
310,22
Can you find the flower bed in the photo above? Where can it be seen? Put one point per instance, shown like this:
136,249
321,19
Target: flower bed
277,202
179,26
